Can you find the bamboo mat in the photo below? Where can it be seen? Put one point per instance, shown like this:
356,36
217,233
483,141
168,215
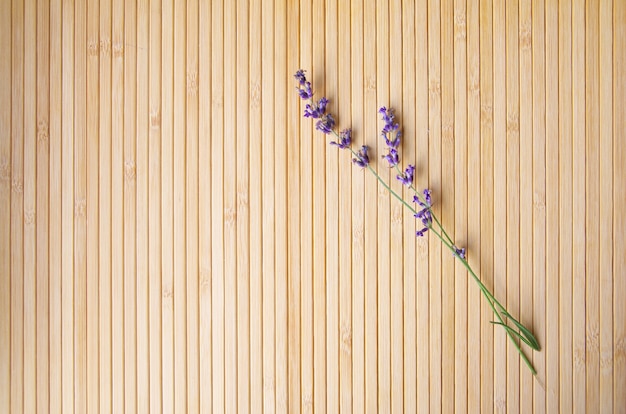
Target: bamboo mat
175,237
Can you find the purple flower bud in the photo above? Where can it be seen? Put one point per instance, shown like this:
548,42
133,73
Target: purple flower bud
316,109
420,233
362,159
325,124
300,77
406,178
306,92
392,158
427,197
395,143
345,138
460,252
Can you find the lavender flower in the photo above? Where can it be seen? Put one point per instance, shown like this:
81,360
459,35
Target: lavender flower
300,77
406,178
420,233
306,92
325,124
345,138
316,109
362,160
392,157
460,252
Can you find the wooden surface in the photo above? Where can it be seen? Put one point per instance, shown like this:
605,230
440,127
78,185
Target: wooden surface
175,237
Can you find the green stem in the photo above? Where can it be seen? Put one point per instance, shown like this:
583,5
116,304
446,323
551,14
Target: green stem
447,241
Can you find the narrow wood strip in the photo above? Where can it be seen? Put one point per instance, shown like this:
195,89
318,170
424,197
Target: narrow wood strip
606,206
126,34
592,203
179,207
294,281
447,205
487,206
358,204
104,189
269,212
205,212
461,184
56,199
513,200
372,243
192,224
539,201
30,199
474,202
67,209
282,98
565,183
436,185
410,276
243,209
553,249
526,196
143,171
5,207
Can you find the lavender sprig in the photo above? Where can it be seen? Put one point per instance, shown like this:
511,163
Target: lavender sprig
391,135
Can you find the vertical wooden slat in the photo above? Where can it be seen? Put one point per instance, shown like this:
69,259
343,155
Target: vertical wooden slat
41,210
422,132
104,188
358,211
28,213
241,165
230,207
410,276
180,162
384,249
606,274
513,199
474,201
294,278
619,200
486,193
576,204
280,120
143,174
553,249
592,204
68,209
205,140
256,145
17,207
526,195
461,181
331,185
154,205
396,282
126,63
118,240
344,272
5,207
193,176
217,205
56,199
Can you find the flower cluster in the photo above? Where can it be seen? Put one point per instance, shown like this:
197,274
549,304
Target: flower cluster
391,134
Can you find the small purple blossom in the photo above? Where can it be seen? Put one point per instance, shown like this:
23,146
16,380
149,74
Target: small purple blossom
460,252
306,92
316,109
388,118
427,197
325,124
345,139
420,233
406,178
394,143
300,76
362,160
392,157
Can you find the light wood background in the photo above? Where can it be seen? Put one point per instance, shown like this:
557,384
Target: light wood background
175,237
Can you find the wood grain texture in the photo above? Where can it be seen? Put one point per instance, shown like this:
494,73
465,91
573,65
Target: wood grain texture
176,237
